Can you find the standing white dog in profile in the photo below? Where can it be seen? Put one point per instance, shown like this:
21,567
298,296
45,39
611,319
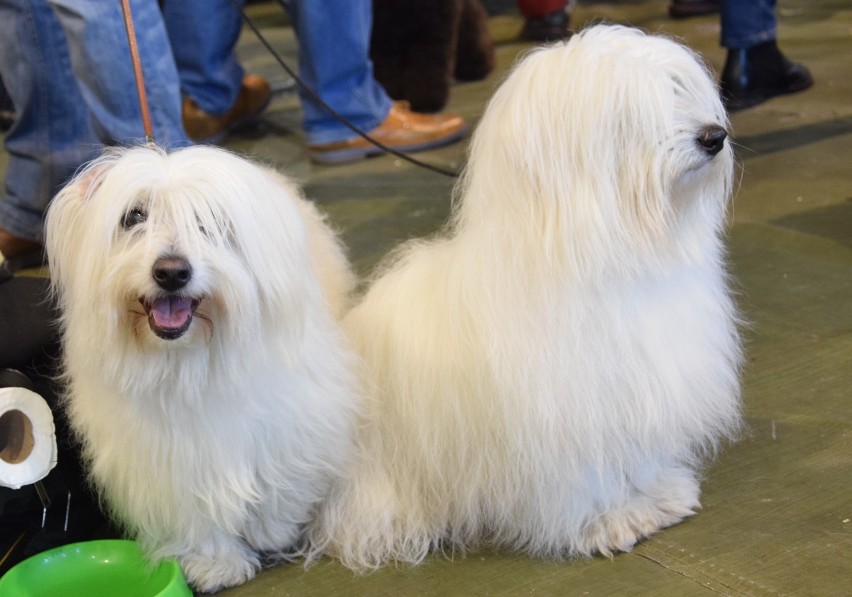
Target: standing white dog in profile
550,374
207,374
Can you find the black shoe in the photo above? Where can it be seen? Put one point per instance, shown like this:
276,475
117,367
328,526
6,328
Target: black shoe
7,119
552,27
7,111
756,74
682,9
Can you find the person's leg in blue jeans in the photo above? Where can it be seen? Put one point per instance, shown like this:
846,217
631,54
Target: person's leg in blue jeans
100,58
52,133
334,49
66,66
746,23
218,96
755,69
334,44
203,35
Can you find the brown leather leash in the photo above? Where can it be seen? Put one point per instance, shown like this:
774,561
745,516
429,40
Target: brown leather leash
137,72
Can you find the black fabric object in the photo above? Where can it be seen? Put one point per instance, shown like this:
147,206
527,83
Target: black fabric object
28,329
29,357
683,9
7,110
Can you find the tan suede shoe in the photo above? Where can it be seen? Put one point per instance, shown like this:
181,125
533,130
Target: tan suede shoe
202,127
403,130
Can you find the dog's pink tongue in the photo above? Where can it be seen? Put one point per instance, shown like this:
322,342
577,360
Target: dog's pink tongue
171,312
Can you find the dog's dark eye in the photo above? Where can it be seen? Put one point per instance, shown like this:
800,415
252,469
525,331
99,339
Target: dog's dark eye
133,218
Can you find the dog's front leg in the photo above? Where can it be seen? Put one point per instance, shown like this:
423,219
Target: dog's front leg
217,560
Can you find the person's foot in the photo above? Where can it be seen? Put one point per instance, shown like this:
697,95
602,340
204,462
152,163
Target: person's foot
752,76
19,253
550,27
7,110
682,9
7,118
402,130
203,127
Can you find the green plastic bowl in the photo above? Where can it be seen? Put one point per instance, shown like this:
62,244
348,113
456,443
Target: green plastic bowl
94,569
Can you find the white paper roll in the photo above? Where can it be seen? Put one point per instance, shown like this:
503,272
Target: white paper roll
27,437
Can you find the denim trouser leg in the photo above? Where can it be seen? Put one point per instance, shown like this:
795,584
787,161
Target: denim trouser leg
52,133
100,57
334,44
747,23
62,120
203,35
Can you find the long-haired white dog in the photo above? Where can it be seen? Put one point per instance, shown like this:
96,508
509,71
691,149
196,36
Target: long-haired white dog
208,376
551,373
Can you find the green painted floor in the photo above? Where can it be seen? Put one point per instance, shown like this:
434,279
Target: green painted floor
777,516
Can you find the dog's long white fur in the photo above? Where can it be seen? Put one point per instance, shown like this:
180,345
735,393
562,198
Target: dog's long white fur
551,373
218,445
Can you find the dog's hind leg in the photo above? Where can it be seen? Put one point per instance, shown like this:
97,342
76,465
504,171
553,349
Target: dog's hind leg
364,524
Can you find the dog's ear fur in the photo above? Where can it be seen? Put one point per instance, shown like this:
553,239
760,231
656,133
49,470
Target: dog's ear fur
64,227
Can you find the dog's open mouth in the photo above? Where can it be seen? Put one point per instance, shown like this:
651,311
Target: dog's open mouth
169,316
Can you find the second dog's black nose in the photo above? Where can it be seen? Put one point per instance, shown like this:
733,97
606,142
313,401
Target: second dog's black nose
171,273
712,139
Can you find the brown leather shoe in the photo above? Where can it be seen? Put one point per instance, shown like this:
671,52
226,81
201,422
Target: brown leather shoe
402,130
202,127
19,253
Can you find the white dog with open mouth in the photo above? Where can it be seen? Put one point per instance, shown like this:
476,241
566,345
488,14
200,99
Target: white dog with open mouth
550,374
207,374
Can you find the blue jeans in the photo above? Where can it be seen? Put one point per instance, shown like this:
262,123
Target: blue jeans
334,46
66,66
203,34
747,23
334,61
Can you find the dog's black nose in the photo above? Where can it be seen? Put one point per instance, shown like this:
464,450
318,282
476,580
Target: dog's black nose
171,273
712,139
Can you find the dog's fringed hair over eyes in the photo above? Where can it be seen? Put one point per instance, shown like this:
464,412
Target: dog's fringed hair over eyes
550,373
612,116
200,202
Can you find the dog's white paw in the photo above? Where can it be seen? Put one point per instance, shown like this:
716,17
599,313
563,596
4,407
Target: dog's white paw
209,574
667,503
